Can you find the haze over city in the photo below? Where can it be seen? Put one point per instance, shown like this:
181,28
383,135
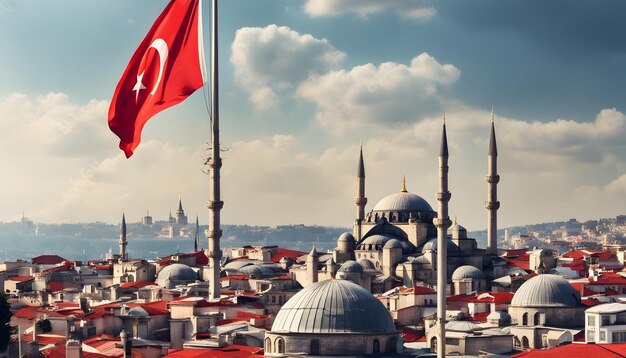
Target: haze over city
303,82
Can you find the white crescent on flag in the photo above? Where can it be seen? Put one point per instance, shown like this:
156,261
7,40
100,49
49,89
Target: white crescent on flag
161,46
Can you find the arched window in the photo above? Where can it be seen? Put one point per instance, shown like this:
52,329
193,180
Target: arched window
517,343
433,344
280,345
268,345
315,347
273,299
376,346
525,319
537,318
525,343
391,345
280,300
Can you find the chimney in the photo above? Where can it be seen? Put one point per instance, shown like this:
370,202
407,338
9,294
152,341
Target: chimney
73,349
127,344
84,304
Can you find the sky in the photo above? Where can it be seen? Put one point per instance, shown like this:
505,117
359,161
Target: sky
302,83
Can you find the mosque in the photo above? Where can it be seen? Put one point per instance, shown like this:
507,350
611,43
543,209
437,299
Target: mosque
395,243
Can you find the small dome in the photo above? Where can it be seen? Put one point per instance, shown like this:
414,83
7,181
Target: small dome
333,306
500,316
350,266
377,242
462,326
468,271
367,264
237,264
346,236
431,245
403,201
173,274
546,291
138,312
458,231
393,244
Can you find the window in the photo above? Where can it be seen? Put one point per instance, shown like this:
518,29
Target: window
591,320
606,320
602,336
618,337
315,347
544,341
591,336
273,299
525,343
376,346
268,345
517,343
280,345
433,344
537,318
280,300
525,319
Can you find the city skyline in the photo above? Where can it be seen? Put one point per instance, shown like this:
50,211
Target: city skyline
302,83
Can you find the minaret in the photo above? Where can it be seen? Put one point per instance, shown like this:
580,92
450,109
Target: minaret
442,222
215,204
123,241
492,204
196,241
360,199
312,263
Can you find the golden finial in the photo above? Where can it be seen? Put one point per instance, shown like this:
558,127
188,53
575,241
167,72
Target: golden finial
404,184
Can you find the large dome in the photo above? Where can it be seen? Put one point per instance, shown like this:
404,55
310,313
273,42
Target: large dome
546,291
403,201
467,271
333,306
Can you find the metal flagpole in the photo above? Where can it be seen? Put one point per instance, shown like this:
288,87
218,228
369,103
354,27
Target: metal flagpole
215,204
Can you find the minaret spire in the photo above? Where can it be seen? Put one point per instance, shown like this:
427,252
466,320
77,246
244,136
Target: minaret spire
492,204
360,199
215,204
442,222
196,242
123,242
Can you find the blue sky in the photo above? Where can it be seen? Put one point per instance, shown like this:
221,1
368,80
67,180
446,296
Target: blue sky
303,81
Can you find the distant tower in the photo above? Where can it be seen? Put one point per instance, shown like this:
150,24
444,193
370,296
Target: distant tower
123,241
442,222
360,199
492,203
312,263
147,220
196,242
181,218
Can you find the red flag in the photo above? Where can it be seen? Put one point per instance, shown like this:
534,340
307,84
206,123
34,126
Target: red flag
167,67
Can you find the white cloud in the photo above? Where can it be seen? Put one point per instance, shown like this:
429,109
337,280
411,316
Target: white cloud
411,9
388,93
276,59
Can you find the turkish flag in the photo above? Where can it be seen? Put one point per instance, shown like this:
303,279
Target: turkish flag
167,67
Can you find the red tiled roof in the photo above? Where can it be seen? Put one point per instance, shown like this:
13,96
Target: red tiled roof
235,351
30,312
138,284
239,276
519,262
590,302
201,258
487,297
410,335
280,253
478,317
154,308
20,278
608,278
47,260
104,267
576,350
416,290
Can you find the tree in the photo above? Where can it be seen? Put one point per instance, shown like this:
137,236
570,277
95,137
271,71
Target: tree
5,327
44,326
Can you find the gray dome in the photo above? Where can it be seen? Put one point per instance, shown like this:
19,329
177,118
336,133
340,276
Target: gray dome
422,259
403,201
367,264
138,312
333,306
177,272
350,266
378,241
432,246
262,270
346,236
238,264
393,244
462,326
467,271
546,291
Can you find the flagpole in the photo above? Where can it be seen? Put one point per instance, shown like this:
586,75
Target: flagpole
215,204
